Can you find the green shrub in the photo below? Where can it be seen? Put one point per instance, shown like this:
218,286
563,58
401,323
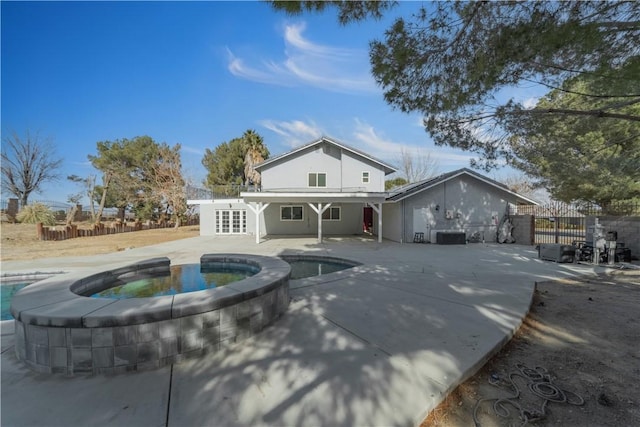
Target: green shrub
36,212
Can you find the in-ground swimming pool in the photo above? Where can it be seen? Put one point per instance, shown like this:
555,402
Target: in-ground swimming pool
179,279
303,266
7,291
72,333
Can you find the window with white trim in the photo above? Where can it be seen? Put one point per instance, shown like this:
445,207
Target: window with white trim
291,213
331,214
231,221
365,177
317,179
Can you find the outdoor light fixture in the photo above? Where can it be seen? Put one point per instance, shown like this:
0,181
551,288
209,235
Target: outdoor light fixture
437,208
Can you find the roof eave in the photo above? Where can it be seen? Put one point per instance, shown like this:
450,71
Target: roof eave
456,174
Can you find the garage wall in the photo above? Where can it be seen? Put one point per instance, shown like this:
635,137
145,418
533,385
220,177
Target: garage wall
462,203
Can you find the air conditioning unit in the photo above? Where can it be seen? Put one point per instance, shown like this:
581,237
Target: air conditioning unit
451,238
556,252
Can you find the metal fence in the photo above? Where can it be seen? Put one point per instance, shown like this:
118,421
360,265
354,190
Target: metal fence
559,222
231,191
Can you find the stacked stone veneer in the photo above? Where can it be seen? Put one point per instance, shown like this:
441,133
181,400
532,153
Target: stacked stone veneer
60,331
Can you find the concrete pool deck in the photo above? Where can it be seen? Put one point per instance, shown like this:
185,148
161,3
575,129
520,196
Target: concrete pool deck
381,345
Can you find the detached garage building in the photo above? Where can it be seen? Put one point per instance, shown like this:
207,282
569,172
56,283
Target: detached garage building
462,200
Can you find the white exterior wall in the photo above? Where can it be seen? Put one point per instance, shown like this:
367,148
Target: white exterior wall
474,205
292,173
343,168
208,215
351,217
352,169
207,219
392,221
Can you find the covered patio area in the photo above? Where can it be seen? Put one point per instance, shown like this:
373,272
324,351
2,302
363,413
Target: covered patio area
327,206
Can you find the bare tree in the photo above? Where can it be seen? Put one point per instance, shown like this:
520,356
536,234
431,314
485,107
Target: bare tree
167,183
417,166
525,186
521,184
27,163
90,189
74,199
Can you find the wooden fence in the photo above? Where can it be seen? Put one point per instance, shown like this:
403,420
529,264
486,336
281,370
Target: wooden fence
73,232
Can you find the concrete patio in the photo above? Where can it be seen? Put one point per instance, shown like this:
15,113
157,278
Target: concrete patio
380,345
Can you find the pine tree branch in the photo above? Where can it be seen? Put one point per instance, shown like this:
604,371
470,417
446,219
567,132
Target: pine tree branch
620,26
593,113
571,70
600,113
591,95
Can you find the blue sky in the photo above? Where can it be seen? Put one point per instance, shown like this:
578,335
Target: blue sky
198,74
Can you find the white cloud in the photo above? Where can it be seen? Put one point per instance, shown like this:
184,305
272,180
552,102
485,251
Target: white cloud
371,141
307,63
192,150
364,137
238,68
449,158
295,132
293,37
530,102
84,164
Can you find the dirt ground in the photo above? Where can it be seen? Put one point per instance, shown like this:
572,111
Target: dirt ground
20,242
580,343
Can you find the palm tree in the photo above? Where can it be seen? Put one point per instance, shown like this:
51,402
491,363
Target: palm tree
255,152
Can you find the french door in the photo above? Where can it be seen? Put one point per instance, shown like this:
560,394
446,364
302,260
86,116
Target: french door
231,221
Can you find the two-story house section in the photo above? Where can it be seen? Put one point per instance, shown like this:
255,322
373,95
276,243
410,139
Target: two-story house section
324,187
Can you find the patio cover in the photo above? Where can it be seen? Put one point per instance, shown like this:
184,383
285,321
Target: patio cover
318,201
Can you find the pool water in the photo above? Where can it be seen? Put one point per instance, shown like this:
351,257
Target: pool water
6,295
182,279
301,269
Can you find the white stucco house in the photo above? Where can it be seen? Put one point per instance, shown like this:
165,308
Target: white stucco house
326,187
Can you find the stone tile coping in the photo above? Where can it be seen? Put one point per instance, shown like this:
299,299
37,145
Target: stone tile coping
63,301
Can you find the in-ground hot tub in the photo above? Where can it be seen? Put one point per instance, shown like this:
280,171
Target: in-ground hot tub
60,330
304,266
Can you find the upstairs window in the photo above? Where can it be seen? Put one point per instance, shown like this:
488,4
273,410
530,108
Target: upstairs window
365,177
317,179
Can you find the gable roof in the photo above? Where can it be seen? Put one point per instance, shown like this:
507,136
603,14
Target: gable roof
386,166
417,187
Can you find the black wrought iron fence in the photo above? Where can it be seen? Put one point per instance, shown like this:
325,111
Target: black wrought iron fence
563,223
